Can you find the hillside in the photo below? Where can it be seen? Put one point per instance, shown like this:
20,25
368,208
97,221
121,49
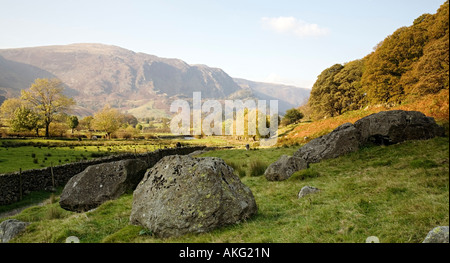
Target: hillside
432,105
96,74
288,96
411,63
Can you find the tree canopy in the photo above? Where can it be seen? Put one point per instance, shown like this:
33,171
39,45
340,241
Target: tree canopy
47,99
107,120
291,116
410,63
337,90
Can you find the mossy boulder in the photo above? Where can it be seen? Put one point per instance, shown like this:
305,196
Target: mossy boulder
100,183
182,194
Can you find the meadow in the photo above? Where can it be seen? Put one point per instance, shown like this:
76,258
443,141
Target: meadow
25,154
397,193
39,153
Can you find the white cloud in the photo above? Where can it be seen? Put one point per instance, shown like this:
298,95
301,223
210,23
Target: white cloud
293,26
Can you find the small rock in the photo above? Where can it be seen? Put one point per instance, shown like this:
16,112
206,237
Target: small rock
72,239
437,235
306,190
11,228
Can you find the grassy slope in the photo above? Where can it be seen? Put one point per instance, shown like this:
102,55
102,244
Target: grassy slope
434,105
397,193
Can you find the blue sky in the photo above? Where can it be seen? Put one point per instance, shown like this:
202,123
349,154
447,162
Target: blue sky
288,42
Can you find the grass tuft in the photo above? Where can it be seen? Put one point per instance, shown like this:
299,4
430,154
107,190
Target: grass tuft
257,167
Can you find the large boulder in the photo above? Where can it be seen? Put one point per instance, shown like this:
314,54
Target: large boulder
11,228
284,168
344,139
100,183
182,194
390,127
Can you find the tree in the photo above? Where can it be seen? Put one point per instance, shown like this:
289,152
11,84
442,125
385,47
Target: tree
46,97
25,119
349,80
405,66
130,120
72,121
9,106
412,60
85,123
430,73
107,120
324,93
293,115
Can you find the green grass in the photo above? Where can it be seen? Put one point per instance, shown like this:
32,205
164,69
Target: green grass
28,154
397,193
28,200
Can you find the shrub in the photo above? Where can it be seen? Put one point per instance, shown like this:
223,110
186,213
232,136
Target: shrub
292,116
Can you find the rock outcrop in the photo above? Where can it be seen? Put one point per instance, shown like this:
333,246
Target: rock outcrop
344,139
100,183
390,127
383,128
182,194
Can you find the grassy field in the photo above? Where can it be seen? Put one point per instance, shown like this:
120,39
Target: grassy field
28,154
397,193
39,153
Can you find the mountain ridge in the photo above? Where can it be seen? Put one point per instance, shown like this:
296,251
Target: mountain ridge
97,74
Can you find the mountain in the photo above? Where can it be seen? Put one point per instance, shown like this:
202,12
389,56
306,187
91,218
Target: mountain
97,74
288,96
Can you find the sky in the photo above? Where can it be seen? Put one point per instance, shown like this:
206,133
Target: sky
288,42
